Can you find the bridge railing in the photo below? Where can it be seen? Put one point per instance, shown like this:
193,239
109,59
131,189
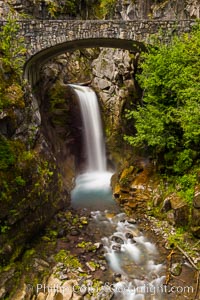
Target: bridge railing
43,34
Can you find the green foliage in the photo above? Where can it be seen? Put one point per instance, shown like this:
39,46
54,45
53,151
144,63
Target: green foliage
58,7
11,94
11,65
24,175
7,157
88,246
85,8
184,239
67,259
4,228
186,184
177,238
107,8
52,8
11,46
20,181
167,122
184,160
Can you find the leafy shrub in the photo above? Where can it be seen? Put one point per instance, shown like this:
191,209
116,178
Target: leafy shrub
187,184
167,122
11,46
7,156
12,59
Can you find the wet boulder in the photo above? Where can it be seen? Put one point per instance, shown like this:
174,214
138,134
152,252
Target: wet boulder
180,210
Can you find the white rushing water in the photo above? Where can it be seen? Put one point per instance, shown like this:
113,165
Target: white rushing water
133,258
93,133
92,188
129,254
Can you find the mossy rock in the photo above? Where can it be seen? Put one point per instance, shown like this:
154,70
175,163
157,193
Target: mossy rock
196,231
126,176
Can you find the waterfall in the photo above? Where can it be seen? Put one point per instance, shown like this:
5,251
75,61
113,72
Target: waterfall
128,253
93,132
92,189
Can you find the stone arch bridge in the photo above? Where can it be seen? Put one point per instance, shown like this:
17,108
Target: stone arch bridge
45,39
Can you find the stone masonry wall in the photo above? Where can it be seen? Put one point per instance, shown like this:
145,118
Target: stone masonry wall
42,34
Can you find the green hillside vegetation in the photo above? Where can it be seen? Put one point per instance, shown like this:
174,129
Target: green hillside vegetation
26,175
12,52
167,122
99,9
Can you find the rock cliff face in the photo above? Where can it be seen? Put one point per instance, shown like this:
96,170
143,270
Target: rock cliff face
166,9
31,188
123,9
113,74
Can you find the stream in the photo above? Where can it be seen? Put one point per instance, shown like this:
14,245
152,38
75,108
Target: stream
132,258
130,255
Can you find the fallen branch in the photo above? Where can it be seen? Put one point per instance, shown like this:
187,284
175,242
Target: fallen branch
194,266
188,257
196,244
178,279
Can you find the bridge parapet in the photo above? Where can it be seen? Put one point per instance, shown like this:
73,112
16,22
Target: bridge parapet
47,38
42,34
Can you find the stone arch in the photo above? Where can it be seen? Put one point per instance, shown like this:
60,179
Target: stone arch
34,63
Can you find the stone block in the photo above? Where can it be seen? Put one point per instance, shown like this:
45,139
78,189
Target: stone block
195,222
166,205
196,201
41,296
181,211
195,217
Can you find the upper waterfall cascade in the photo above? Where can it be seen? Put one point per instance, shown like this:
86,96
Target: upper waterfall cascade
92,188
93,133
